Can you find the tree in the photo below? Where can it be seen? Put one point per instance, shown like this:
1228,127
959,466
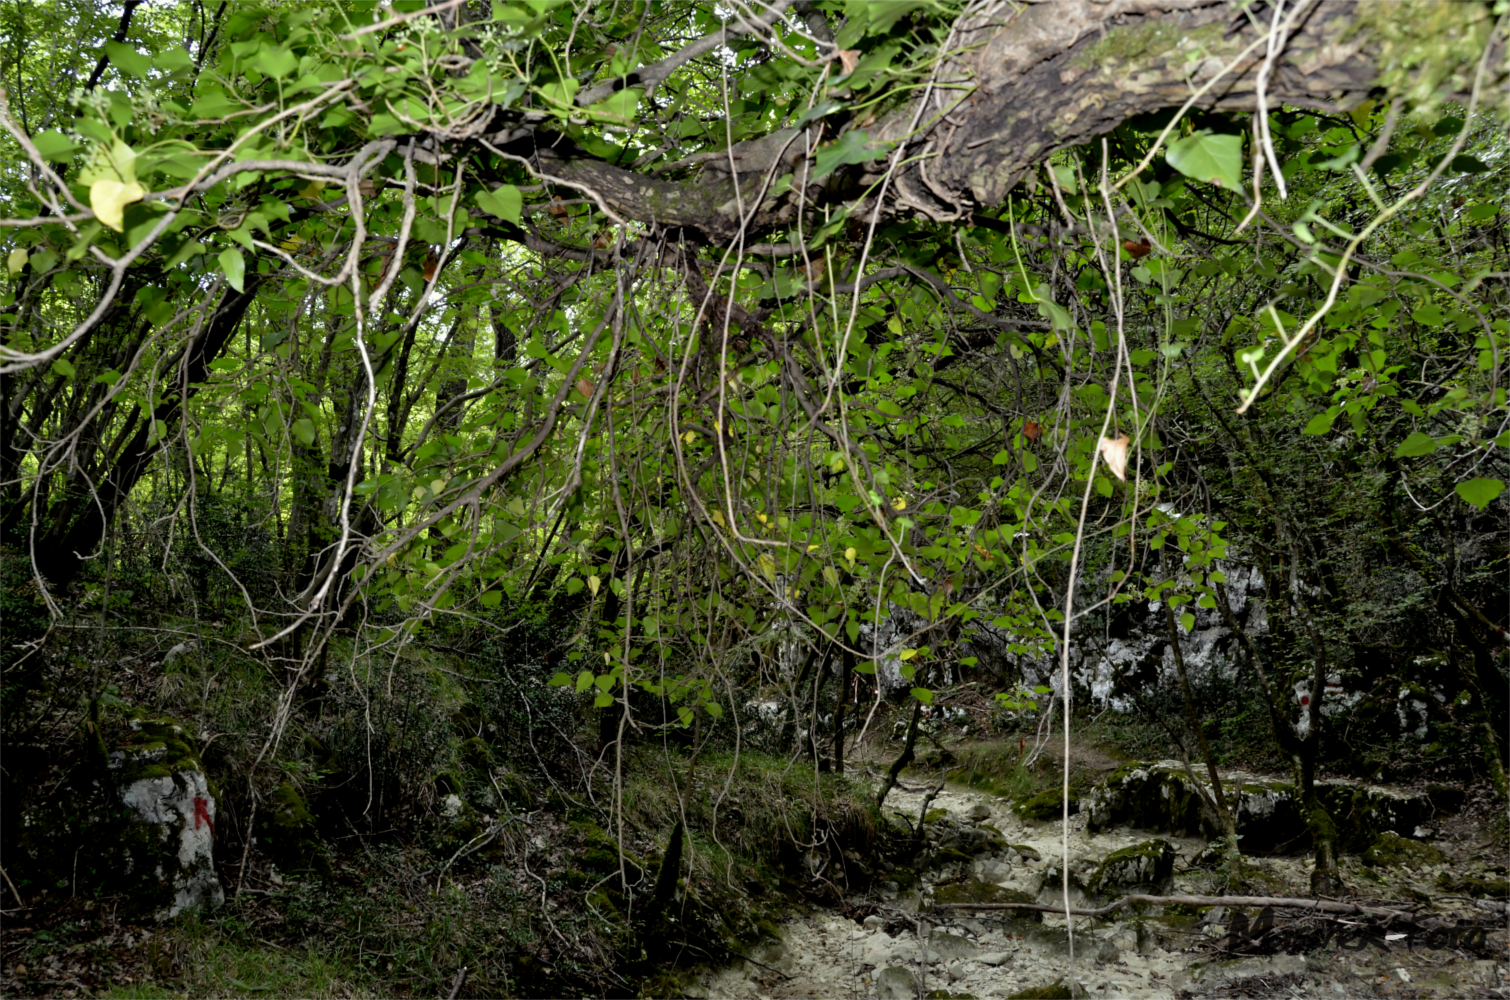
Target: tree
805,321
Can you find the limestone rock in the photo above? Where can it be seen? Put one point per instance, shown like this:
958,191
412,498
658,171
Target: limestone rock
1160,797
1391,849
1145,867
1053,991
985,892
896,983
169,839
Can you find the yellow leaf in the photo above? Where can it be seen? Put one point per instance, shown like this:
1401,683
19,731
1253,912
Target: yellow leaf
762,519
312,189
899,504
690,436
1114,450
812,548
17,260
516,506
593,583
718,518
292,243
907,654
850,554
830,576
436,485
109,199
768,567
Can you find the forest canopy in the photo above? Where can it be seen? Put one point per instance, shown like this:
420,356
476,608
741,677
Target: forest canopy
919,338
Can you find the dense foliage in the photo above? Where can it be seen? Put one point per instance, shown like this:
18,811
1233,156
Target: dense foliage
338,322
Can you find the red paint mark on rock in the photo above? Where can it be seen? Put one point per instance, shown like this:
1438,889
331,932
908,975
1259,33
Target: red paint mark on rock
202,813
1305,699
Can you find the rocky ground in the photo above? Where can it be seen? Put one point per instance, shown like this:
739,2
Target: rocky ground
897,945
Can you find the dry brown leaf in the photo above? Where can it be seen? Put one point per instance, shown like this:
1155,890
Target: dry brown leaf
430,265
585,387
1031,430
849,59
1114,450
1139,250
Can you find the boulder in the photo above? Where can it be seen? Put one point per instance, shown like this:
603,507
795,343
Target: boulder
896,983
1391,850
1053,991
986,892
1161,798
1145,867
168,841
1047,805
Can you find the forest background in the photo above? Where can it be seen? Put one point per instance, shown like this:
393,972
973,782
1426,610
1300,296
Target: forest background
497,402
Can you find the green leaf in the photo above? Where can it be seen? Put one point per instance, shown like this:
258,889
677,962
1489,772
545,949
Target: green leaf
1187,620
923,695
54,145
1428,315
304,430
17,260
1465,164
234,266
490,598
1416,444
504,203
560,679
851,147
584,681
1322,422
603,700
1479,492
1206,156
126,59
63,368
275,61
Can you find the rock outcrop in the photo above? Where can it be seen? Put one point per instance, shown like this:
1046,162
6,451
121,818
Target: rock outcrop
169,836
1161,798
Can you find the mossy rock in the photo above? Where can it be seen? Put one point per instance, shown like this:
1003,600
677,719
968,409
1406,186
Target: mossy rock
934,815
1053,991
166,844
986,892
1477,886
1392,850
947,856
287,830
1146,867
1030,853
946,995
1045,806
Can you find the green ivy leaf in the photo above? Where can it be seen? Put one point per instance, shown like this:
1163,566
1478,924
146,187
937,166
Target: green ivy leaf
505,202
1206,156
1479,492
1187,621
923,695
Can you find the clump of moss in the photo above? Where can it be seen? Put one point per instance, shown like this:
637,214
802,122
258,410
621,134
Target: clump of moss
1046,805
1053,991
1391,850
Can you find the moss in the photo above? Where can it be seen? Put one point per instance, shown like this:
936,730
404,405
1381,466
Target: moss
1148,865
154,747
1425,49
1053,991
1477,886
1031,853
1046,805
1391,850
287,831
1153,40
985,892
